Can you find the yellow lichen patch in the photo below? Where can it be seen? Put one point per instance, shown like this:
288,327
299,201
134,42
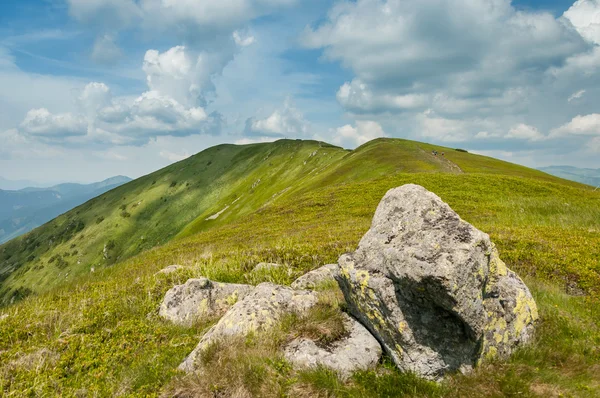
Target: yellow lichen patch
525,312
402,326
363,277
399,350
492,352
203,306
231,300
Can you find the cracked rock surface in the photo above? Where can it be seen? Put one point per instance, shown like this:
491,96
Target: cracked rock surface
199,298
315,277
433,289
359,350
259,310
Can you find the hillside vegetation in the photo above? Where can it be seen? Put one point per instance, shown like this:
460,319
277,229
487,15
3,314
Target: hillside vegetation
28,208
302,204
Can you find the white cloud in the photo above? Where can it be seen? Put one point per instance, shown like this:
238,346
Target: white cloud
40,122
576,95
285,122
585,17
525,132
484,69
365,130
167,108
585,125
105,50
242,41
357,97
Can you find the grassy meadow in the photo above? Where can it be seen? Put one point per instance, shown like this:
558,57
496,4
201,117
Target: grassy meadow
98,333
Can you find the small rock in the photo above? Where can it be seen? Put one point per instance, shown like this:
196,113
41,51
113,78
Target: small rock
266,266
170,269
259,310
199,298
358,351
315,277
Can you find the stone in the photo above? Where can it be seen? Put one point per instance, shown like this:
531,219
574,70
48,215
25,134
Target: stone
259,310
433,289
170,269
265,266
200,298
359,350
315,277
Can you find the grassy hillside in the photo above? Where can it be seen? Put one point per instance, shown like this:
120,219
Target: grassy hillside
98,334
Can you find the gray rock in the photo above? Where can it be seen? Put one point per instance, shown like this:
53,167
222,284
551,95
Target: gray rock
259,310
358,351
170,269
432,288
266,266
198,298
315,277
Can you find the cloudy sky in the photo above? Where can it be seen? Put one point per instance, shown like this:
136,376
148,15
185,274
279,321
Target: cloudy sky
95,88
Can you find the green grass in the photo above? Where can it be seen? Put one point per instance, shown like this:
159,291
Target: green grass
98,334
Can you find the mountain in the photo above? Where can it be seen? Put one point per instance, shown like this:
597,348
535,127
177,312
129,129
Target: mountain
16,184
80,294
584,176
26,209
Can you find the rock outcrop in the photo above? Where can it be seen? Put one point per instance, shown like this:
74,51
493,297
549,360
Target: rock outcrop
316,277
359,350
432,288
259,310
198,298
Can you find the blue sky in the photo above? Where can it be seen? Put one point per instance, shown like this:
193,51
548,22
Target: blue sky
95,88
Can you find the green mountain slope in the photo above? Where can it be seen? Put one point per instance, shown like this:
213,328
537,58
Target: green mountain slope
26,209
212,188
301,204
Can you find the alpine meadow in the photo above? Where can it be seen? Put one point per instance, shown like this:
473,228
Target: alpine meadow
80,295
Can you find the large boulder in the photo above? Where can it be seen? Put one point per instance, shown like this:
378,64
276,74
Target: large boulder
359,350
432,288
316,277
200,298
259,310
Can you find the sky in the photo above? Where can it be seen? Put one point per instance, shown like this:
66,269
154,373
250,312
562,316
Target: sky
95,88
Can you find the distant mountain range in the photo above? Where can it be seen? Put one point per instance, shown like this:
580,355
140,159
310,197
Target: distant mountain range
17,184
28,208
585,176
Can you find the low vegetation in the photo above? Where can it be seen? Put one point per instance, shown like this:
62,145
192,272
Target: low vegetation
99,334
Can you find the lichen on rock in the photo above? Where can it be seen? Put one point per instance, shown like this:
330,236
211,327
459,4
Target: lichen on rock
359,350
432,288
258,311
200,298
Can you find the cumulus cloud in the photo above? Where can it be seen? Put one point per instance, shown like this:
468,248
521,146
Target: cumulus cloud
169,107
525,132
364,131
358,97
42,123
285,122
483,69
585,125
585,17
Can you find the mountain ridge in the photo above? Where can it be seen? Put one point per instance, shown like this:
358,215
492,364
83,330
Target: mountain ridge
27,208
